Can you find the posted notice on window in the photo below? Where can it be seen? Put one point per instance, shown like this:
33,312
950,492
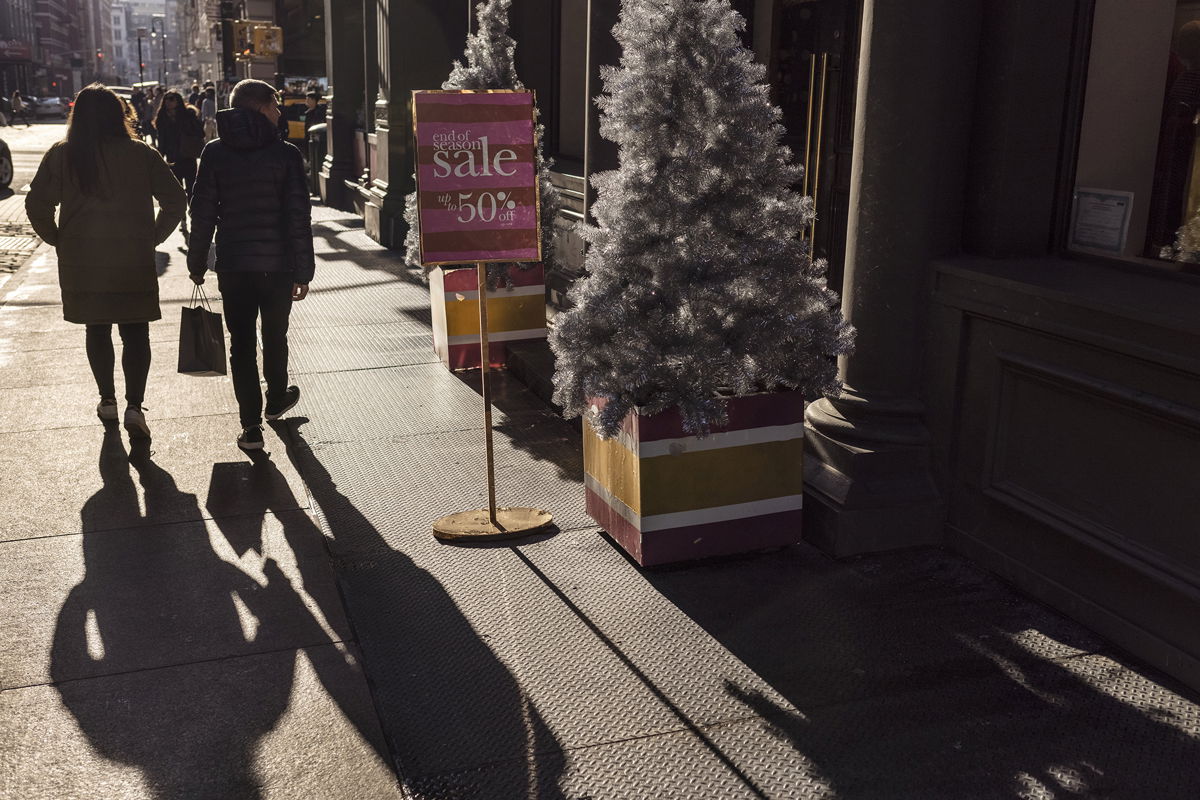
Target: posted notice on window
1100,220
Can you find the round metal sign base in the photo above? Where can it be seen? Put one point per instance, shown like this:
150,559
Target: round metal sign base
475,526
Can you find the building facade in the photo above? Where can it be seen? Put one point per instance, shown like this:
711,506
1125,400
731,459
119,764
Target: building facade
18,34
151,41
1008,197
59,50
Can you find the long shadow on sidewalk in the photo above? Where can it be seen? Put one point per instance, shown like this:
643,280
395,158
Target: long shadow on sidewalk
156,610
447,702
917,675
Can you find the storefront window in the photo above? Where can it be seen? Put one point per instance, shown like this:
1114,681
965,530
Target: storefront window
1137,188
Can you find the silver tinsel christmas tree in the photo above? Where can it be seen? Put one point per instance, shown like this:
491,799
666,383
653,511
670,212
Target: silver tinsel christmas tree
699,286
490,55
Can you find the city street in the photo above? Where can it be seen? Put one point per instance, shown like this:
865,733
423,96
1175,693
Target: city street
183,621
28,144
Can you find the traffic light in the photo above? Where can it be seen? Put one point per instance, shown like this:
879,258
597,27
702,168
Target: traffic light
100,54
243,38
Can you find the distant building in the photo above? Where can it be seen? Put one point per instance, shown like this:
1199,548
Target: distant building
17,36
199,25
158,21
58,54
123,58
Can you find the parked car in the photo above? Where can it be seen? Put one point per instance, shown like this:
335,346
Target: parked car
6,165
52,107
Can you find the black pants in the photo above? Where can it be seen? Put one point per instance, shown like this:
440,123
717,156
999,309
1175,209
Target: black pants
185,170
245,296
135,359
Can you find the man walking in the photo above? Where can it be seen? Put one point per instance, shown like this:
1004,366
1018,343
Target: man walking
251,189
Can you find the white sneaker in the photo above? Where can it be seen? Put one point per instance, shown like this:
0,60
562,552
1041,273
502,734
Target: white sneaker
107,410
135,423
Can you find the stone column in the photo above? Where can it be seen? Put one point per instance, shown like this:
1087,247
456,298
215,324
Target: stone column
370,44
344,62
869,467
418,41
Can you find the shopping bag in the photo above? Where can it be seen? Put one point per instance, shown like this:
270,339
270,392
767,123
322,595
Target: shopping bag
201,338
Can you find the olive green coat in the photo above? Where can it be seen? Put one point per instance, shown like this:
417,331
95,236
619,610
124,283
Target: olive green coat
106,243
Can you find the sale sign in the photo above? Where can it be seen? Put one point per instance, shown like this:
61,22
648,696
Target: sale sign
477,180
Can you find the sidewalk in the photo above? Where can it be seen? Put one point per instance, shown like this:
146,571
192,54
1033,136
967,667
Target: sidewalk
189,623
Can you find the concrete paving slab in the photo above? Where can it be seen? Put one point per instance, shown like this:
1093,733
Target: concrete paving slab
355,347
81,479
291,724
67,365
415,399
427,477
169,395
365,303
741,760
119,601
476,663
73,336
32,316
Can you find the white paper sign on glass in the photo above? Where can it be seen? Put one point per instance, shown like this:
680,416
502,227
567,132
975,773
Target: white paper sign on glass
1100,220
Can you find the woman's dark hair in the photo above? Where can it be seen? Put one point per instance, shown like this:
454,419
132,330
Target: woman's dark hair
180,106
97,116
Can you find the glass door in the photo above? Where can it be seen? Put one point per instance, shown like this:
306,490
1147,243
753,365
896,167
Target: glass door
810,48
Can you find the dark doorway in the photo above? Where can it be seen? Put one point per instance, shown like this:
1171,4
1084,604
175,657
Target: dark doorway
807,45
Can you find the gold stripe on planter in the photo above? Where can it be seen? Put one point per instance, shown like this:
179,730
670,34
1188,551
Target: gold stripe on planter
515,314
665,496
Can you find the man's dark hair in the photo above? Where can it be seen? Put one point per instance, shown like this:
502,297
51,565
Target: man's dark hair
253,94
314,96
210,92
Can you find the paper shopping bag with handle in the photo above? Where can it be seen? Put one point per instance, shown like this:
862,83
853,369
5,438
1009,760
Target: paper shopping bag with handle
201,338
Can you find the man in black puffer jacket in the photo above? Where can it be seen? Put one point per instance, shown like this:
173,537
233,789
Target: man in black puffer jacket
251,189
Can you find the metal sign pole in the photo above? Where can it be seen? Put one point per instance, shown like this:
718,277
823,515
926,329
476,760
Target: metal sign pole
491,522
485,378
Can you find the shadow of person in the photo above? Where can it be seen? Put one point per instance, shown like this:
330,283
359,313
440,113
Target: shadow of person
155,624
917,675
299,599
459,722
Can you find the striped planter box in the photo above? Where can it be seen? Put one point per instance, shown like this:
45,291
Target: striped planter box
515,314
666,496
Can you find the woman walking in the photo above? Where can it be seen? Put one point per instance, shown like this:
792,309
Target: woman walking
19,109
106,181
180,139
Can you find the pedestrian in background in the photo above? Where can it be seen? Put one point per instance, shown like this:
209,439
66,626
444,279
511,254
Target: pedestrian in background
251,190
180,140
314,112
208,113
195,96
141,108
106,180
19,109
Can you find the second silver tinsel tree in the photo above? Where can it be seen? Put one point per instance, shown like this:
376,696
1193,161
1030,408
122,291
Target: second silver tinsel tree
698,285
490,64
